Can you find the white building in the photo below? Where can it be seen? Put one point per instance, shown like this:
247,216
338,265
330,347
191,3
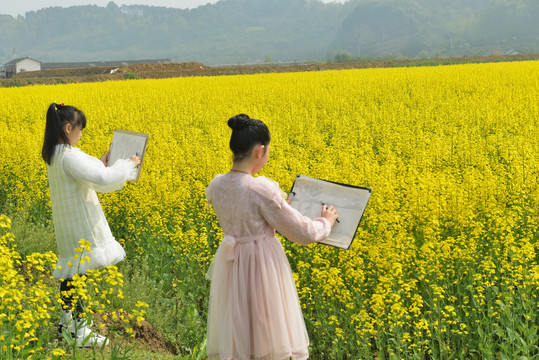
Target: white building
22,64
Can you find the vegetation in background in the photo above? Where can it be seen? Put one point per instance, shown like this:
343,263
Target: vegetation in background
239,31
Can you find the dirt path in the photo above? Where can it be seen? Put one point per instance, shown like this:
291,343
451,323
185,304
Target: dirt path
160,71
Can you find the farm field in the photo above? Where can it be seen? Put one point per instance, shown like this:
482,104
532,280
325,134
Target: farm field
170,70
445,262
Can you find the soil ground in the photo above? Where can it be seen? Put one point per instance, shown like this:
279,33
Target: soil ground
145,335
159,71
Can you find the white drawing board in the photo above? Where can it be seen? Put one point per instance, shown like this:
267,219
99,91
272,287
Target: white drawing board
127,143
308,194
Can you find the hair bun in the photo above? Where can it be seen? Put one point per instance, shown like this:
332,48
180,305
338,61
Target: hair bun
239,122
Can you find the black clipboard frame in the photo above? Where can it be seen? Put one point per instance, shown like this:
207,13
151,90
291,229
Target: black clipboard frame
292,193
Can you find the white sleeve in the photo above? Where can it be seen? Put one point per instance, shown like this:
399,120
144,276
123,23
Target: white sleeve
284,218
292,225
93,173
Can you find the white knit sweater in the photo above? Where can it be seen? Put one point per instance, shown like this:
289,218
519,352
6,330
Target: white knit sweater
74,178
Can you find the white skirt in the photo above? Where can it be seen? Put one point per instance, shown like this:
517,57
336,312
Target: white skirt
100,257
254,310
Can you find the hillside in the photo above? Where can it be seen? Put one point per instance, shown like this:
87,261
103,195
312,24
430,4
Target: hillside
423,28
254,31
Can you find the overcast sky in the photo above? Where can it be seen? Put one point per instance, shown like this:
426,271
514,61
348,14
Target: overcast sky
19,7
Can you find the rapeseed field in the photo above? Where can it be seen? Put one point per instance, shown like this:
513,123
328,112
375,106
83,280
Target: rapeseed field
444,264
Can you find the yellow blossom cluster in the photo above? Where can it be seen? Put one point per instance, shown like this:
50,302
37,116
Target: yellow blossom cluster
25,297
98,288
95,286
445,258
27,289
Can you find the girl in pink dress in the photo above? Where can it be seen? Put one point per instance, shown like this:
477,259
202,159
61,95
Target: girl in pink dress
254,310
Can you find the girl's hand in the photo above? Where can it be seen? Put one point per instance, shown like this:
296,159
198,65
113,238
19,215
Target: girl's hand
330,214
135,159
105,158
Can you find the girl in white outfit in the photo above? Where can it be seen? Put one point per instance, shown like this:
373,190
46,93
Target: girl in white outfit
74,178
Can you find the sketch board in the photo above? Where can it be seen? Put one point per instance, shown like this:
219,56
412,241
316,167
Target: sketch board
308,194
127,143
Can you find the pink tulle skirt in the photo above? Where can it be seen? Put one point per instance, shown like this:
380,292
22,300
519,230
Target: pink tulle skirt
254,310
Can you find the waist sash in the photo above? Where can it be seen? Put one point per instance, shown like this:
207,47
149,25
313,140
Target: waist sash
229,242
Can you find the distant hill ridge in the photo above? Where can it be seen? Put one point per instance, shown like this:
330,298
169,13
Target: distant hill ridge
251,31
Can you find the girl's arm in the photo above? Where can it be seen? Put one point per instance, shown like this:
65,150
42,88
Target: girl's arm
291,224
93,173
287,220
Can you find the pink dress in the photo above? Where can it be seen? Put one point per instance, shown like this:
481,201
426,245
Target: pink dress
254,310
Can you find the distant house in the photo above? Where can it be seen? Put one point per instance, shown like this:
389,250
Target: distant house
15,66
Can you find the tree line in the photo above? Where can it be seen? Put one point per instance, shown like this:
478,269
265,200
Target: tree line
251,31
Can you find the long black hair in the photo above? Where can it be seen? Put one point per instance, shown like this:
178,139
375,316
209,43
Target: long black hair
246,133
57,116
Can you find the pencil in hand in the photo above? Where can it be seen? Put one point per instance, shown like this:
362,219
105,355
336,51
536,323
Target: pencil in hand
335,219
